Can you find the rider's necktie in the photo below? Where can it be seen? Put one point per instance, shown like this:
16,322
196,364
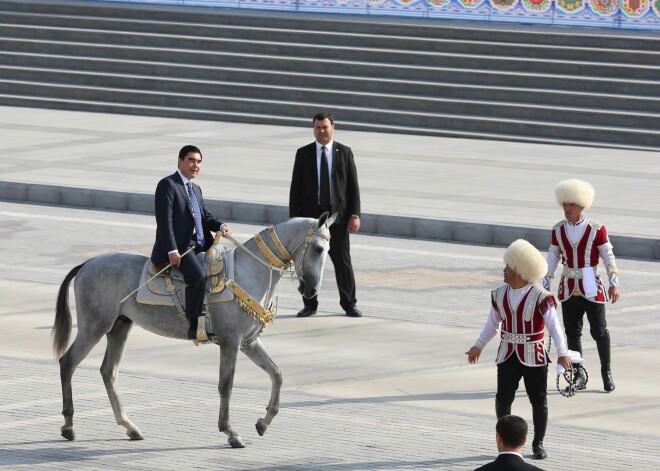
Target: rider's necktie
324,195
197,215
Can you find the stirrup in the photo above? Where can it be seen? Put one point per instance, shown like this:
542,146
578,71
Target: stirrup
201,329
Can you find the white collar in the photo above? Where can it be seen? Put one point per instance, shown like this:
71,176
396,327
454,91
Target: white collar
327,146
185,180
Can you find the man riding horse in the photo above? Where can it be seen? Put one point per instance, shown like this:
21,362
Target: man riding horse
182,221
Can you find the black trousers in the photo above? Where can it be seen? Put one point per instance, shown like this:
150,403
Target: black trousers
573,310
194,277
509,374
340,254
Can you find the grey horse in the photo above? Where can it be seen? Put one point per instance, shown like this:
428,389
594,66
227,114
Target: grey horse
101,282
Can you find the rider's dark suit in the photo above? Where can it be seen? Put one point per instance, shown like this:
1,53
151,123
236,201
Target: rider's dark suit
175,226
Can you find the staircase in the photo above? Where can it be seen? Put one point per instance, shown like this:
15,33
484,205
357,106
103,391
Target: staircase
530,84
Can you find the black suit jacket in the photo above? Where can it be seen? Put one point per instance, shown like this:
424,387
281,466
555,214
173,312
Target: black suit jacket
303,196
508,462
175,223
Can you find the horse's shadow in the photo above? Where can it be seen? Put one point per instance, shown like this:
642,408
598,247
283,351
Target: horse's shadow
56,452
79,454
439,463
440,396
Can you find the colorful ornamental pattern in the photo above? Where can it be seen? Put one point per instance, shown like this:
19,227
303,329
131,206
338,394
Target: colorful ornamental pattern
536,5
570,6
471,3
630,14
503,5
635,7
605,7
656,7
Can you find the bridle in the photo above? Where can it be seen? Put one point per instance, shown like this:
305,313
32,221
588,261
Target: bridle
274,263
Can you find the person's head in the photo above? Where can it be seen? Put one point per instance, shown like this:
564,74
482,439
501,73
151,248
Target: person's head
574,196
324,127
511,433
524,264
190,161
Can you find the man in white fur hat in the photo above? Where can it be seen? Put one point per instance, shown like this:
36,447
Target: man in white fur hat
523,309
578,242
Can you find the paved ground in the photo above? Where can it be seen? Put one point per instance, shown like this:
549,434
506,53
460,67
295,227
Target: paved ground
390,391
435,188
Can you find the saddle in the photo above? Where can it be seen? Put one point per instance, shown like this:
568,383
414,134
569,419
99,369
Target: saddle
168,288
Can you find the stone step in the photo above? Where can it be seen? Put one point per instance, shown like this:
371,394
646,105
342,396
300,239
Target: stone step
294,56
129,99
481,101
169,34
374,77
534,84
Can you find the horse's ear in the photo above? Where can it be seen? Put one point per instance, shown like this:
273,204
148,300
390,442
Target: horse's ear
323,218
331,219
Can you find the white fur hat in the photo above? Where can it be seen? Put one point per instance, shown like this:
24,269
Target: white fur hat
575,191
523,258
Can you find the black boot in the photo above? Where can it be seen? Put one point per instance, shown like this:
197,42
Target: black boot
603,346
540,418
501,410
608,382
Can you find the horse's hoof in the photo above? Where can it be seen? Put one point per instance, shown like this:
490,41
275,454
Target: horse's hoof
68,433
262,426
134,435
236,442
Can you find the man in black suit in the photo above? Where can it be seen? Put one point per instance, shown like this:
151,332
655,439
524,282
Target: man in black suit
325,179
511,436
182,221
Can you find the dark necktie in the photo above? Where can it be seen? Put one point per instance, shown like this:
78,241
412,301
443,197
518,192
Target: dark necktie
197,215
324,196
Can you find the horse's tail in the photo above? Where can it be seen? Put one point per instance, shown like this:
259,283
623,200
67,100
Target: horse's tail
62,328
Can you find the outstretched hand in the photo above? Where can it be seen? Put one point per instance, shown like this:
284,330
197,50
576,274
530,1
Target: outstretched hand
473,355
614,293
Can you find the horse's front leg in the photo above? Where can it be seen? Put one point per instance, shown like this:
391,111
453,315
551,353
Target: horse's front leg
255,351
228,356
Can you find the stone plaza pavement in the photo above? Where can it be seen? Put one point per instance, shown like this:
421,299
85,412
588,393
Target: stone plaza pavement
389,391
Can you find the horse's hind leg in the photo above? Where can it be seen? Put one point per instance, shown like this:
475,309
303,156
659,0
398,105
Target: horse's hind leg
76,353
113,355
256,352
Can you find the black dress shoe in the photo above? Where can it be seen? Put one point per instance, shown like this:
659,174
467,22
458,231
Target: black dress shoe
306,312
354,312
539,451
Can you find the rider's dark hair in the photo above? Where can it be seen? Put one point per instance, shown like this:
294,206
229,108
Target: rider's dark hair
512,430
323,115
185,150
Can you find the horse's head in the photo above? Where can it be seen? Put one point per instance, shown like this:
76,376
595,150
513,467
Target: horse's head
310,262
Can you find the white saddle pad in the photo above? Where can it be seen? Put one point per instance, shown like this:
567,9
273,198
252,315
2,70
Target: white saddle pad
147,296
